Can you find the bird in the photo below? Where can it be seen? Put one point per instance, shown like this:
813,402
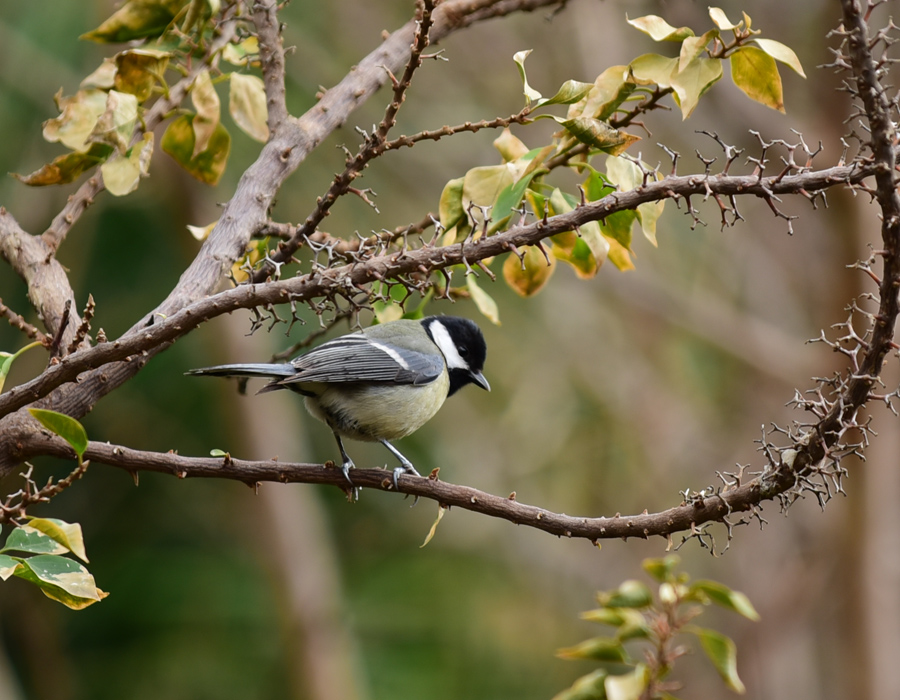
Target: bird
378,384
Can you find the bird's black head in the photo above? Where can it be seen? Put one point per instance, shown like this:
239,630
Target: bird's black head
464,349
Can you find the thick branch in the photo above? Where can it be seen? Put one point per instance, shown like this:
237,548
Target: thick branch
248,209
271,53
48,285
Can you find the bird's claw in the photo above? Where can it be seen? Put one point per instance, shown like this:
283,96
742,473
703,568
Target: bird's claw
345,470
405,468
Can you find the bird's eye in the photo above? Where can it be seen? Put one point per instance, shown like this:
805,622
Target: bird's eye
463,350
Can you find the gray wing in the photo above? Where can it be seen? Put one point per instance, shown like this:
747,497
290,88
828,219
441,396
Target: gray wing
357,358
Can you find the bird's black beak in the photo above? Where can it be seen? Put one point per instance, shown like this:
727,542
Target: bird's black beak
478,378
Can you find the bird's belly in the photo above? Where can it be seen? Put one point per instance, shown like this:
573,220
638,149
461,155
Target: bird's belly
372,413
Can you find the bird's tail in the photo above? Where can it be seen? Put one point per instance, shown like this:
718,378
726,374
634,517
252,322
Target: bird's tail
274,371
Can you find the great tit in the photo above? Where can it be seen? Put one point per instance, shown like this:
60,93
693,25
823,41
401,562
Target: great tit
379,384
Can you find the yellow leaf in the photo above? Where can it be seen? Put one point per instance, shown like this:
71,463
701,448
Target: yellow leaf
611,88
116,125
720,20
659,29
434,525
510,147
528,276
138,71
206,102
136,19
782,53
122,173
247,106
485,303
78,115
698,76
754,71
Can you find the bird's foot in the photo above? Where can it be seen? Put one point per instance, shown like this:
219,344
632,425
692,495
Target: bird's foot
405,468
353,493
345,470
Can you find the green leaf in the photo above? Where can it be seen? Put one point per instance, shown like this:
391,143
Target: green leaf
659,29
584,257
691,83
509,198
626,175
720,20
722,595
722,651
68,535
243,53
208,165
754,71
8,566
198,12
618,225
628,686
26,539
65,426
780,52
630,594
206,103
531,95
607,649
136,19
67,168
78,116
247,106
569,92
7,359
528,276
589,687
662,569
485,303
115,126
599,135
139,70
597,186
450,209
122,174
630,623
611,88
61,579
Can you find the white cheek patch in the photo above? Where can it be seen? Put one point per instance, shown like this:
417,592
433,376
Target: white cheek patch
446,345
395,356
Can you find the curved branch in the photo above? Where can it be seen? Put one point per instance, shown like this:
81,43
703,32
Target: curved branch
49,290
137,346
683,518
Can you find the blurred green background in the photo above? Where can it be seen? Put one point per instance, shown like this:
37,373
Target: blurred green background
610,395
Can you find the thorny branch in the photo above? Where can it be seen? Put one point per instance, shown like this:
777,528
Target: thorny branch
808,458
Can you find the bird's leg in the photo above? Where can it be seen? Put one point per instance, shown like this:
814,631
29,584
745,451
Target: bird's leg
348,463
405,467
